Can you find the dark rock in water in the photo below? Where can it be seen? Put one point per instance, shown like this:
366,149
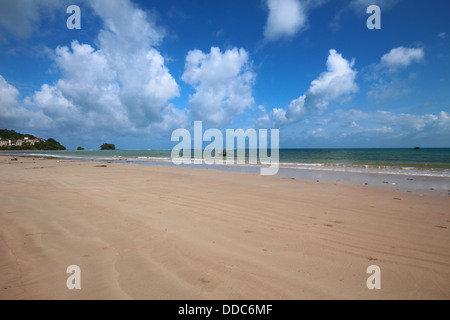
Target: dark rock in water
417,148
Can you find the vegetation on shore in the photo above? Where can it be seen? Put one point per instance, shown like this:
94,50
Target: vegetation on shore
108,146
49,144
13,135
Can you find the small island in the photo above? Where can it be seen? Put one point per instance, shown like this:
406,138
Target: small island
108,146
11,140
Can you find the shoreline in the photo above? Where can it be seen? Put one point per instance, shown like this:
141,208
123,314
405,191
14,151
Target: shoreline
155,232
401,181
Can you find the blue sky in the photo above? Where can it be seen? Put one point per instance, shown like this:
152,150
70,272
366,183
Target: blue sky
137,70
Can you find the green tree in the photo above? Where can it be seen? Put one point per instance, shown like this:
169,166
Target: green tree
108,146
50,144
80,149
13,135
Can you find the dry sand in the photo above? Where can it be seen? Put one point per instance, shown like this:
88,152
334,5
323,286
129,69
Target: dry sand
148,232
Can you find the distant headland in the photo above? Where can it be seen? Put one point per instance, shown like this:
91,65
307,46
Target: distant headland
12,140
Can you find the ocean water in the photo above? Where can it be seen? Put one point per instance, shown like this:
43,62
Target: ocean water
423,162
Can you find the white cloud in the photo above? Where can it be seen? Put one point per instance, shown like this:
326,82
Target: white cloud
402,57
398,125
9,111
8,95
13,114
124,86
286,19
336,82
388,80
442,35
128,41
223,84
364,128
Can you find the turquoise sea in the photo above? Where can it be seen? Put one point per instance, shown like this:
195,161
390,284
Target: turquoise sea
423,162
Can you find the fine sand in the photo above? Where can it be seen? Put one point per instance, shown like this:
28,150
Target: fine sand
149,232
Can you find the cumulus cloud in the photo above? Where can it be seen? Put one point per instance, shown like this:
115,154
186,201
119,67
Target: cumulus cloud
286,19
128,43
388,79
12,113
123,86
399,126
336,82
402,57
379,128
391,119
223,84
8,103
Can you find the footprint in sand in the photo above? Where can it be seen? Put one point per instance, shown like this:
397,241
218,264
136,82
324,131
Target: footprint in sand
328,225
441,227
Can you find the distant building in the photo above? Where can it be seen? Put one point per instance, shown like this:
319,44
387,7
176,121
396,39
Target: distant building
34,141
5,143
19,142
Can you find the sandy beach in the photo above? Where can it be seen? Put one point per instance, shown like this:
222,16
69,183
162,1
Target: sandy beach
151,232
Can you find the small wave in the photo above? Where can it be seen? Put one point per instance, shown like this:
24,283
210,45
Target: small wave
371,170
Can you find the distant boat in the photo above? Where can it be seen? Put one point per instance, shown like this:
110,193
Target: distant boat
417,148
224,153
